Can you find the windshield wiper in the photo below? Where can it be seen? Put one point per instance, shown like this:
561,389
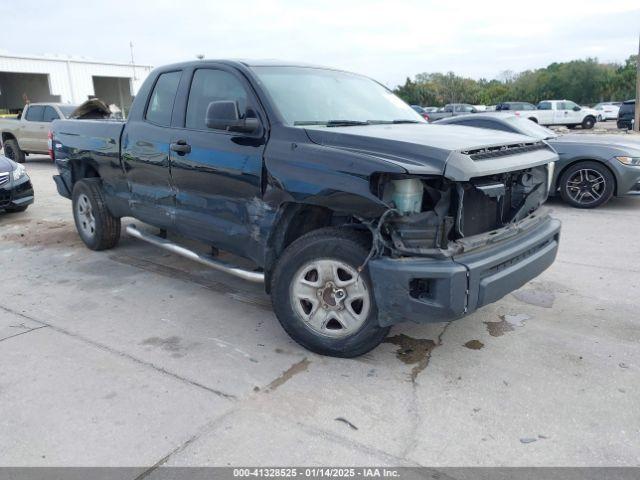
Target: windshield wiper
391,122
346,123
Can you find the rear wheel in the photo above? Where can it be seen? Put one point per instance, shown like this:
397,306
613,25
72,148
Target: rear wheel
587,185
12,151
534,119
320,298
98,229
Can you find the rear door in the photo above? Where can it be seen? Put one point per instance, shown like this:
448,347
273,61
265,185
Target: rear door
145,155
33,127
217,180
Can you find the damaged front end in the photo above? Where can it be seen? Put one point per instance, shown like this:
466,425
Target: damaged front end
445,247
432,216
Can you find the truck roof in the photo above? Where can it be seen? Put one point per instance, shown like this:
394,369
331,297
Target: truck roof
246,63
53,103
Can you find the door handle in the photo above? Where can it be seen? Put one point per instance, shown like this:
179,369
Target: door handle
180,147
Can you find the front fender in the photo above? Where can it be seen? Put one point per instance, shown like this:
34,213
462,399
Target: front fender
323,176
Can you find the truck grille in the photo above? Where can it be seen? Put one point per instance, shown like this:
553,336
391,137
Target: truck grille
504,150
4,178
492,202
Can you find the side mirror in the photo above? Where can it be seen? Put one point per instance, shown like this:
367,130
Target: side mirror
576,108
224,115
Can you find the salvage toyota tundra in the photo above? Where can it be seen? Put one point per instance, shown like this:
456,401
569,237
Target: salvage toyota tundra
354,212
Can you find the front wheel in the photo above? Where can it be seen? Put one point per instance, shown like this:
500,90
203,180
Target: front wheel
587,185
320,298
588,123
98,229
13,152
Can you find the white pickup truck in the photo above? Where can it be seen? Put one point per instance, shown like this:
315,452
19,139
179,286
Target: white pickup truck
561,112
29,132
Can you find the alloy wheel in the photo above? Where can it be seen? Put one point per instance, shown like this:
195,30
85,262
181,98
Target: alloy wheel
586,186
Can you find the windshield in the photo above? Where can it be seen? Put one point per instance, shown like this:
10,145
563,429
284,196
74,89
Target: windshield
67,110
314,96
529,128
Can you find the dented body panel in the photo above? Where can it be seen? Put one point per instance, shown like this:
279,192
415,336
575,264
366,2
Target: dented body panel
253,194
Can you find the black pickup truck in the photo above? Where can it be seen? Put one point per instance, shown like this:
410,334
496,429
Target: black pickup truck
354,212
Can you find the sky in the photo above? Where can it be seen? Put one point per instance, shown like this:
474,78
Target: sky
387,40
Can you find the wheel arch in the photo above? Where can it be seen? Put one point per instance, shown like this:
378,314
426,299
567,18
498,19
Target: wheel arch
293,221
582,160
9,136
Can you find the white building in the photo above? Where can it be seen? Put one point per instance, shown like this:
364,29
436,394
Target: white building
68,80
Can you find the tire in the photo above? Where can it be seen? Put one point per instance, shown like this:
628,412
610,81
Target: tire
587,185
588,123
320,268
534,119
12,151
98,229
16,209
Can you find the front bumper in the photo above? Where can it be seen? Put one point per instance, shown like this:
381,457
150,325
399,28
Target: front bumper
16,194
425,290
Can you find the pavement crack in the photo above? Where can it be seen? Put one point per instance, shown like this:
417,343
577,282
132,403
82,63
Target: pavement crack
122,354
294,369
22,333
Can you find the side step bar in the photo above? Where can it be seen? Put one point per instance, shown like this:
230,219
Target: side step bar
257,277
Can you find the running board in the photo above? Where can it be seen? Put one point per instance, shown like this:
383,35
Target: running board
257,277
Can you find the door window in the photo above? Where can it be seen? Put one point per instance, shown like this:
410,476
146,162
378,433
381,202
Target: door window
34,113
208,86
160,105
50,115
544,106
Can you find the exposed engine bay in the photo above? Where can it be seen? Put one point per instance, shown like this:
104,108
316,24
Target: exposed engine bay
432,216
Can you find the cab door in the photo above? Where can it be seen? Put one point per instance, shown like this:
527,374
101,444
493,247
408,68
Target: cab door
33,127
145,155
216,174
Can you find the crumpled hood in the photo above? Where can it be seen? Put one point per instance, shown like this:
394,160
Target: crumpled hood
6,165
419,148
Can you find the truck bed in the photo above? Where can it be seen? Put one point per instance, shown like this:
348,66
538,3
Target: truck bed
97,140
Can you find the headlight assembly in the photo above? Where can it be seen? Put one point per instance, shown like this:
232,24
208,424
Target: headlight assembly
635,161
18,173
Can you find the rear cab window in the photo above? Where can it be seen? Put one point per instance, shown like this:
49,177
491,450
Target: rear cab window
544,106
160,107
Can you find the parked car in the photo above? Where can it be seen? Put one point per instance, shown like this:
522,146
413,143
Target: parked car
591,168
515,106
16,191
562,112
607,110
28,133
355,213
430,109
420,111
451,110
626,115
